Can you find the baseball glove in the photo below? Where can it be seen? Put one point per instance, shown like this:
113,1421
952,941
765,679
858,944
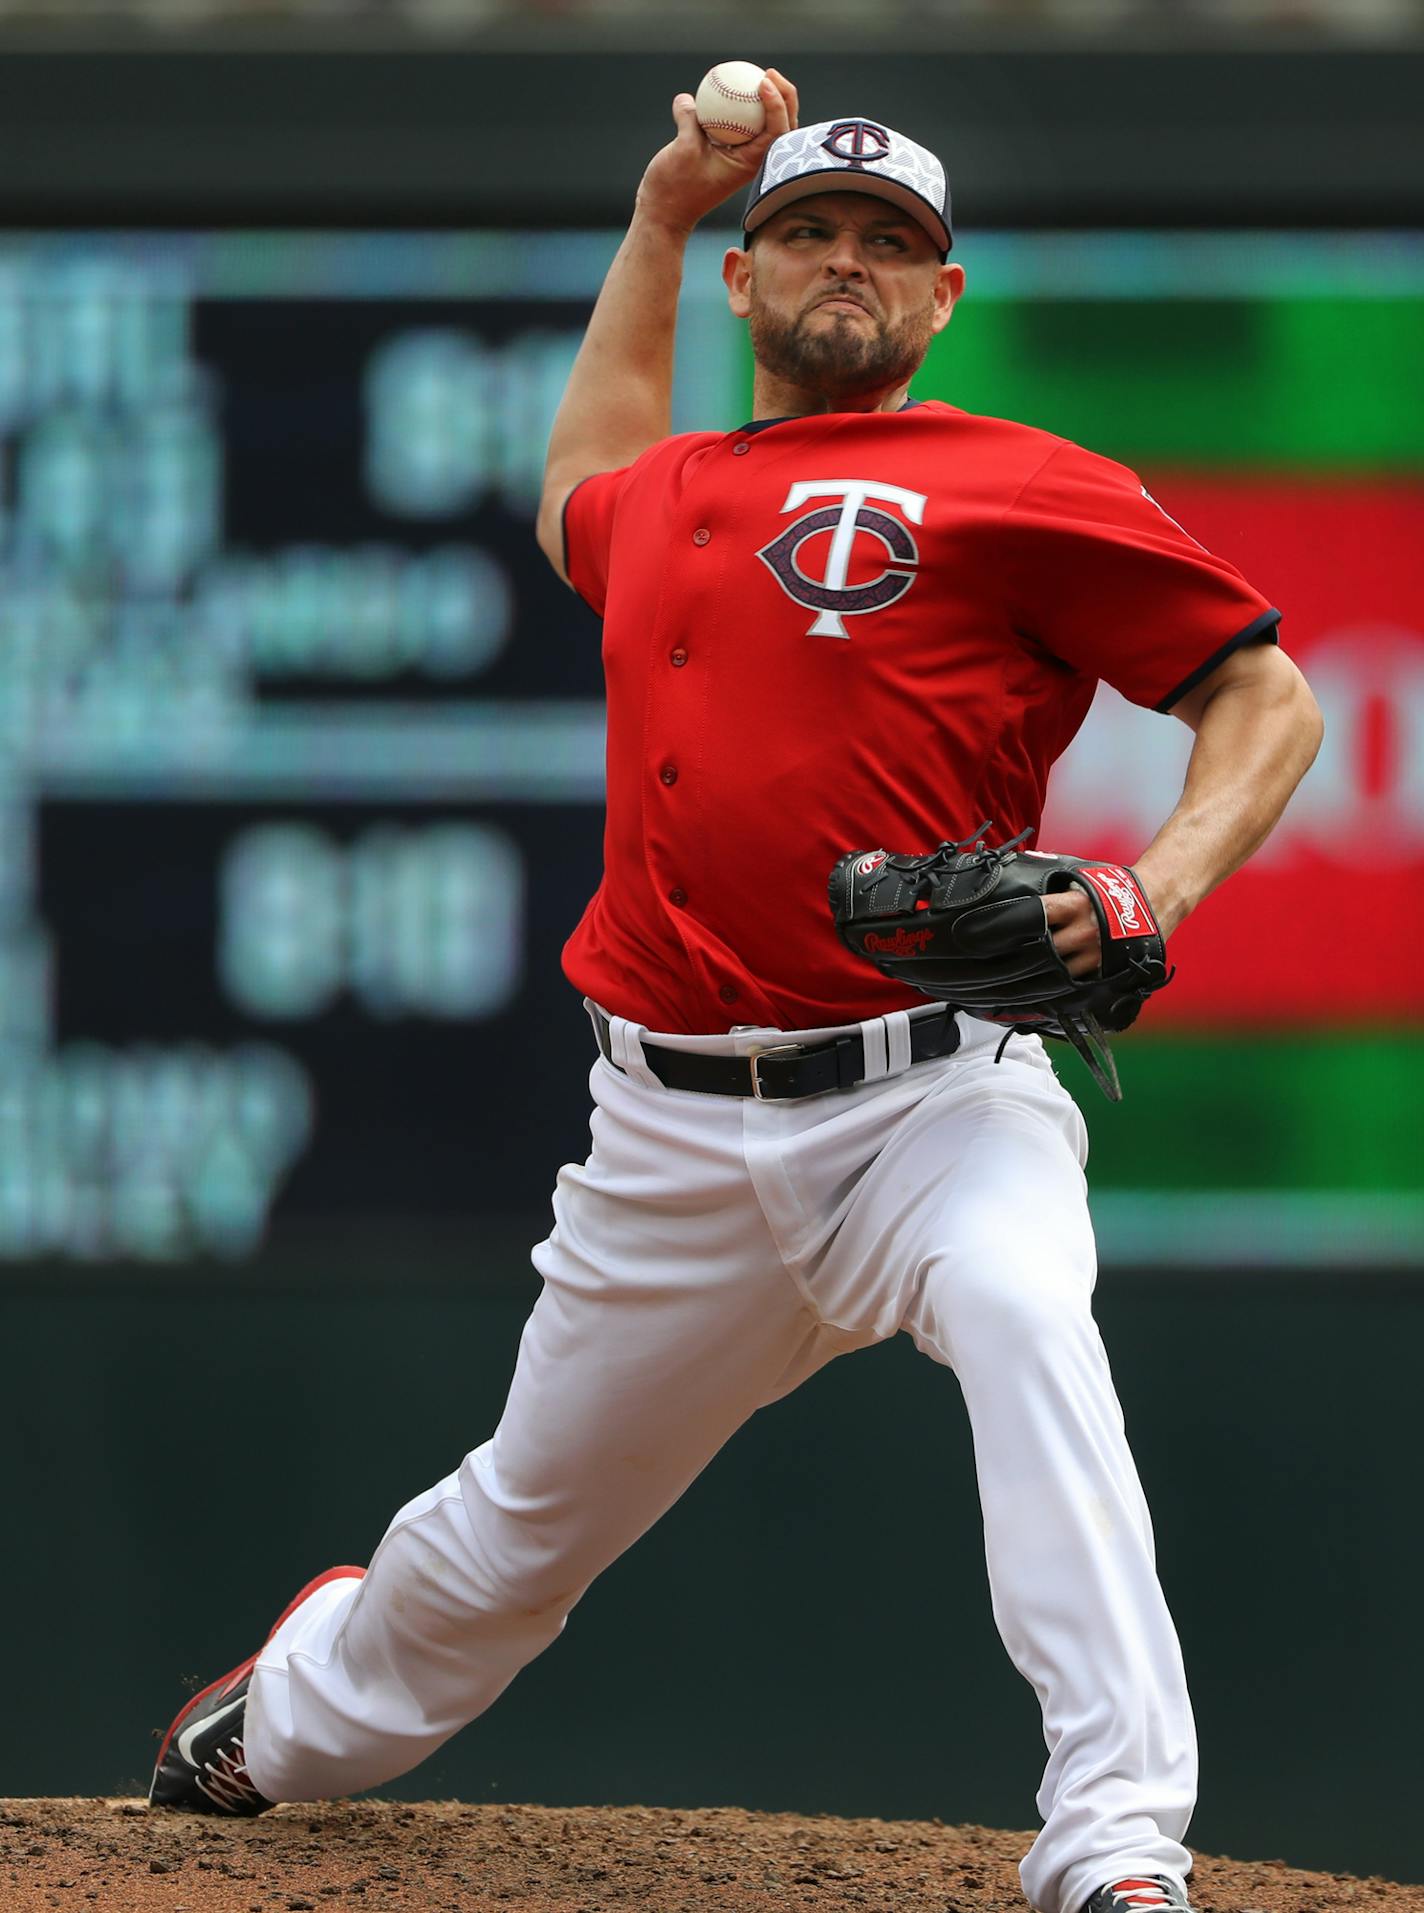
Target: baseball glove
967,925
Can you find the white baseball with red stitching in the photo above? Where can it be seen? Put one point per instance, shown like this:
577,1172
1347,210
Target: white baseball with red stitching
729,108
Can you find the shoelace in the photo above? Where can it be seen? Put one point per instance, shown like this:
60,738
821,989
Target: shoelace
1140,1893
225,1780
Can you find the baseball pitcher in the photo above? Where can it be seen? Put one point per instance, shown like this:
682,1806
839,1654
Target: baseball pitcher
845,642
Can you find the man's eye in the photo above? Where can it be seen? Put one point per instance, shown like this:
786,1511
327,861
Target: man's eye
891,239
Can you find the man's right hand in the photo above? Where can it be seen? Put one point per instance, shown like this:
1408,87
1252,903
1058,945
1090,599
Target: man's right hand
692,174
618,400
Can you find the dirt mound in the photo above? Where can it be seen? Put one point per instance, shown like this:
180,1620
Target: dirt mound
444,1857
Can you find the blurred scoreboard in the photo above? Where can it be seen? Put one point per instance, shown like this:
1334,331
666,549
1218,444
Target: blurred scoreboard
301,741
300,737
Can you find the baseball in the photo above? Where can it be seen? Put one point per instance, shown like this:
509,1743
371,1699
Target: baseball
729,108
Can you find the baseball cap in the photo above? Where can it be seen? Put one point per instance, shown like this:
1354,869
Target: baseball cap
851,156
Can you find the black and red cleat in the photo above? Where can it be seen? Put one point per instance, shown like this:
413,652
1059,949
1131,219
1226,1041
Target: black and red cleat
202,1766
1154,1894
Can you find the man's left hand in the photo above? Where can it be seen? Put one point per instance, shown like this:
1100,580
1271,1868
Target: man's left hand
1074,925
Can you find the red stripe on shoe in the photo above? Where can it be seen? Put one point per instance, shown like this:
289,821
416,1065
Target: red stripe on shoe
239,1673
223,1681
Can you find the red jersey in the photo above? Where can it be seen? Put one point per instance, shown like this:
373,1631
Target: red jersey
853,629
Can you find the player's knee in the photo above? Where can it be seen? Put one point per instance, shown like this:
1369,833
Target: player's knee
1011,1304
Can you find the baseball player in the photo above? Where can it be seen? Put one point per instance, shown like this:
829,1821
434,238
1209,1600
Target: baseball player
856,620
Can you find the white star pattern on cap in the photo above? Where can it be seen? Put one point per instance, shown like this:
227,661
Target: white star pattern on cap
867,149
806,150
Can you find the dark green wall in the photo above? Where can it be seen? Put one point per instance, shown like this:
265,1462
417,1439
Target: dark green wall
808,1629
1322,136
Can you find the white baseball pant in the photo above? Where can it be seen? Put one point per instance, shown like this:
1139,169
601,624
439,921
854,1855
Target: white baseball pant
710,1255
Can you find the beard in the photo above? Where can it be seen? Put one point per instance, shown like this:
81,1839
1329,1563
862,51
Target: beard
845,357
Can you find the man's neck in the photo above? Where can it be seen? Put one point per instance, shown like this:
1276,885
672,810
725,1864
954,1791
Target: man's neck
779,398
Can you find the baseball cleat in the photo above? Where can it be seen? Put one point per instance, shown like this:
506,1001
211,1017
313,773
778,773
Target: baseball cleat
1155,1894
201,1766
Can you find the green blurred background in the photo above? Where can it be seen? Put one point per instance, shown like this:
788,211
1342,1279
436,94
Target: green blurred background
1237,357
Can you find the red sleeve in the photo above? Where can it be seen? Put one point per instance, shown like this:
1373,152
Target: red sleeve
588,533
1103,578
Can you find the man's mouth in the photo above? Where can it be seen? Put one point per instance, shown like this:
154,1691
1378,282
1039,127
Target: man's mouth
840,302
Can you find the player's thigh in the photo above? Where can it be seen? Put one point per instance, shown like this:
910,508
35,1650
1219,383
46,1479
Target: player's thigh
975,1214
665,1320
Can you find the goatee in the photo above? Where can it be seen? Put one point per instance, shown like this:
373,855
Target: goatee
848,356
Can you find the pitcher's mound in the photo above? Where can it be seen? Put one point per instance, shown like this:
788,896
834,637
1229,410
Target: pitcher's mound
445,1857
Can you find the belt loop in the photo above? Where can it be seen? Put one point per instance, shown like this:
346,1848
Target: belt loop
625,1051
877,1053
897,1041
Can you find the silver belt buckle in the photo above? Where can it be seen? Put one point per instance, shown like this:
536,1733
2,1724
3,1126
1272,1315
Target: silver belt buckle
776,1049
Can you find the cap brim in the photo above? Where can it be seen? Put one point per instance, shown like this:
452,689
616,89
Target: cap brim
847,179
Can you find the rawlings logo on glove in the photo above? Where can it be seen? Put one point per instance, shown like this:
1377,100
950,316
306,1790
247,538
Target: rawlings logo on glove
1127,909
966,925
903,943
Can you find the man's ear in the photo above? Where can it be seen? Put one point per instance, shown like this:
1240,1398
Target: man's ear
737,277
949,289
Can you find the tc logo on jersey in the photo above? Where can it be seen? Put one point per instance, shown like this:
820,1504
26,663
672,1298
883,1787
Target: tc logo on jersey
831,596
859,143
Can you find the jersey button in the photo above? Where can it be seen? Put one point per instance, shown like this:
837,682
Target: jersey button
668,773
727,993
678,657
701,536
740,448
677,896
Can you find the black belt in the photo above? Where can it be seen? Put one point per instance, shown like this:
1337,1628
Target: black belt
784,1071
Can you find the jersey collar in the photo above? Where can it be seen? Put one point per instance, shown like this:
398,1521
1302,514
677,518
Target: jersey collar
761,424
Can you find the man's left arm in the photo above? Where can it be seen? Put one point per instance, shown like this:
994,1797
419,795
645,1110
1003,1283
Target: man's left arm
1257,731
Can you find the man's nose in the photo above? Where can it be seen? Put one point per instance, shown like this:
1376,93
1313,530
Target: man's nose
846,258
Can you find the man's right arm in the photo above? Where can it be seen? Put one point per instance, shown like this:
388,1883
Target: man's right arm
618,400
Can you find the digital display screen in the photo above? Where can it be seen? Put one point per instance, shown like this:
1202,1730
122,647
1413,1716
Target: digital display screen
301,739
300,736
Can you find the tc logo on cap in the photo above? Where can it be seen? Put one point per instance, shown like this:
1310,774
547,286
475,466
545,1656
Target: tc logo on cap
851,156
857,142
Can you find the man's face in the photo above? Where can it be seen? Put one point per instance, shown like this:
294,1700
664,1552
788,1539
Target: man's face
842,293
